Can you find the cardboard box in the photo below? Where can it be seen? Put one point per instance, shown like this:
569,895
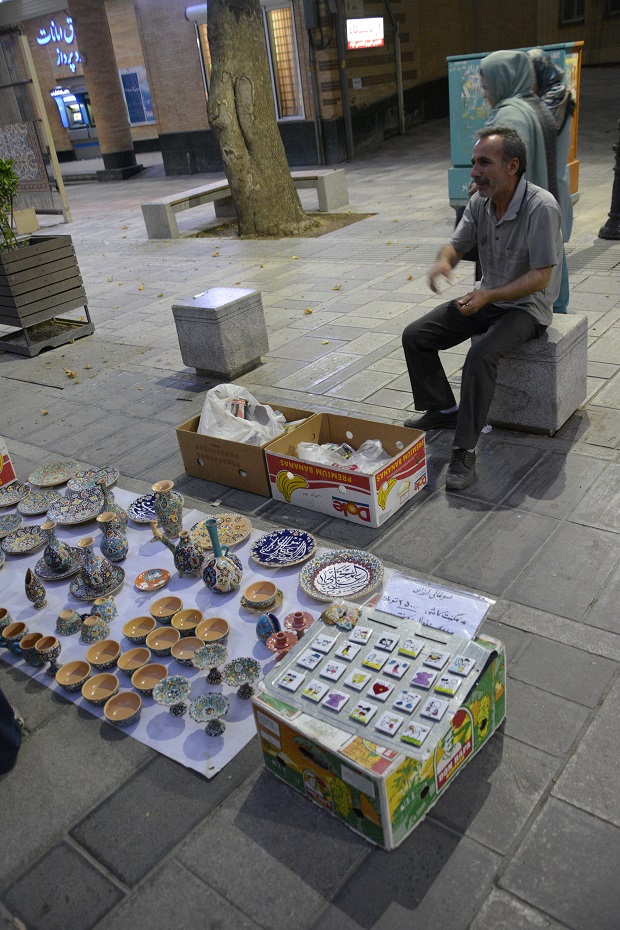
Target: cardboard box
375,789
365,499
7,472
234,464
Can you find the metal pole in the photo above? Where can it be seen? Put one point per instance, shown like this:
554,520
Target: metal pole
341,45
611,229
399,67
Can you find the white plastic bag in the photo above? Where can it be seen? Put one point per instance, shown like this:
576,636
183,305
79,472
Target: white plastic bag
231,412
369,457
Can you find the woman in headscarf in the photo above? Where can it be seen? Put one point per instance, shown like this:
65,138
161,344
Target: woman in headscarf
555,95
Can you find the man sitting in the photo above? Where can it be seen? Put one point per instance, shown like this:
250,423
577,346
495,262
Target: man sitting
516,226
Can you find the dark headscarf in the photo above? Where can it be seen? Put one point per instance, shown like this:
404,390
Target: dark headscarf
551,87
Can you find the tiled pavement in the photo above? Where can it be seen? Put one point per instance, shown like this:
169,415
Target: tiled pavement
100,831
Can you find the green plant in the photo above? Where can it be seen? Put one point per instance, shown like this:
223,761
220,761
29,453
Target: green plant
9,182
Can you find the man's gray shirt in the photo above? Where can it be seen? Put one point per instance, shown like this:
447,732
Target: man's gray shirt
527,237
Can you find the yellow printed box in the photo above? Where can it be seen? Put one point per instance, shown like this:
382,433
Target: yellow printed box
7,472
378,791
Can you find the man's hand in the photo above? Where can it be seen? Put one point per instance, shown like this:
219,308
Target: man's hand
447,259
472,302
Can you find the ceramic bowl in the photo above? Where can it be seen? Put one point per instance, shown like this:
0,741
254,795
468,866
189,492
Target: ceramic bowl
145,678
13,632
133,659
161,641
27,645
213,630
186,621
138,629
184,650
100,688
68,622
260,595
5,617
72,676
105,608
103,655
123,708
93,630
164,608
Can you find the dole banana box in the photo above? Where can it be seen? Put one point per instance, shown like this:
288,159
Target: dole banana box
349,495
7,472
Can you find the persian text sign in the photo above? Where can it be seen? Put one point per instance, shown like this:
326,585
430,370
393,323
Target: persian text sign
365,33
441,608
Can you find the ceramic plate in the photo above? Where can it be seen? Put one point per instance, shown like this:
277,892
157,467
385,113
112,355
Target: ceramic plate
85,479
240,671
84,592
48,476
210,656
209,706
232,529
141,511
77,507
2,558
13,493
48,574
283,548
37,502
172,690
342,573
26,539
152,579
8,524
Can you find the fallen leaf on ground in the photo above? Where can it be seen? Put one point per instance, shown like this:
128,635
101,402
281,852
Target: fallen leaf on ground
325,342
44,412
409,277
336,287
294,258
308,311
88,365
69,373
141,288
160,295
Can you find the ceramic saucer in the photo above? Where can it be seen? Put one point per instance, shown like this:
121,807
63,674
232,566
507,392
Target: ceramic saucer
291,640
341,573
13,493
77,507
152,579
87,478
38,502
84,592
48,574
9,523
307,618
24,540
141,511
283,548
232,529
48,476
261,610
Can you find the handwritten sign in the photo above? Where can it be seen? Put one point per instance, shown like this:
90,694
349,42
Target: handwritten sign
434,606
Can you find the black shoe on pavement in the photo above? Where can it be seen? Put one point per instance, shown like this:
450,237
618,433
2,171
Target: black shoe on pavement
461,471
433,419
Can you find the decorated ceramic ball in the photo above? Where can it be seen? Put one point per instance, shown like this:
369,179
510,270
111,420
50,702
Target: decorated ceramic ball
266,626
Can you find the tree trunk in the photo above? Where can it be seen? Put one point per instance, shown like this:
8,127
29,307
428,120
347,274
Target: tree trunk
242,115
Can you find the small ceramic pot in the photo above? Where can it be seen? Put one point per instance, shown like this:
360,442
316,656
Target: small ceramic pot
56,554
261,595
266,626
123,709
11,635
168,507
213,630
105,608
137,629
103,655
5,617
161,641
93,630
113,543
164,608
49,648
27,644
186,621
35,590
145,678
184,650
68,622
72,676
130,661
100,688
95,572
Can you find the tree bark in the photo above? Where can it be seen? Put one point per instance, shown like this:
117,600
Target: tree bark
242,116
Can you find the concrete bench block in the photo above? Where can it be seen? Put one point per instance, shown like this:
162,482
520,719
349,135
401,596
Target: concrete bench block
222,332
332,190
542,384
160,221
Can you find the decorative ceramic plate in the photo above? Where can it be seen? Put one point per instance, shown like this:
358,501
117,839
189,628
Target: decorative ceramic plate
282,548
152,579
77,507
342,573
84,592
172,690
240,671
141,511
13,493
9,523
37,502
209,706
261,610
48,574
48,476
24,540
210,656
232,529
86,479
2,558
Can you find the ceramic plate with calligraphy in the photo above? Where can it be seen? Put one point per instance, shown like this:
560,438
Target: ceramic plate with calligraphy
48,476
283,548
25,539
232,529
84,592
87,478
141,511
77,506
48,574
342,573
152,579
9,524
38,502
13,493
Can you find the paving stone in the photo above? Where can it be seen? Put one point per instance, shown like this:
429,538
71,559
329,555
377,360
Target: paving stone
556,485
502,911
62,890
563,670
589,639
499,467
591,780
604,428
567,867
35,702
538,718
361,385
306,349
568,571
601,505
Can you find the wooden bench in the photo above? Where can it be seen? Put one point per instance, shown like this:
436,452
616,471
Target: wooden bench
159,215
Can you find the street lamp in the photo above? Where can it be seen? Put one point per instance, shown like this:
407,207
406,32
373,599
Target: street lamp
611,229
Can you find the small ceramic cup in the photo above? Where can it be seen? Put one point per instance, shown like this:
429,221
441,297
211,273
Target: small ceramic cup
184,650
105,608
138,628
72,676
164,608
213,630
68,622
123,708
161,640
186,621
93,630
133,659
145,678
103,655
12,633
261,595
100,688
49,648
27,645
5,617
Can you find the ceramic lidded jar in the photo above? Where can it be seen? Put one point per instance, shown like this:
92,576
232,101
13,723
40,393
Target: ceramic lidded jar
35,591
96,572
113,543
168,507
188,555
56,554
109,504
223,572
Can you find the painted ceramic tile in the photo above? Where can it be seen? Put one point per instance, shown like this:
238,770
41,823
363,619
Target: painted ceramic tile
347,651
448,684
424,678
361,634
387,642
323,643
411,647
461,666
375,660
436,658
315,690
407,701
357,680
291,680
396,667
363,712
434,708
389,723
310,659
335,700
415,733
380,690
333,671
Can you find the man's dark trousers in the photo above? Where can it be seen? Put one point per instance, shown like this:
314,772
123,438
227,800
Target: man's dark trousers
502,331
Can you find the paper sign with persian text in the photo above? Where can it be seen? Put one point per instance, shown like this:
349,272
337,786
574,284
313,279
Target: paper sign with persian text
434,606
7,472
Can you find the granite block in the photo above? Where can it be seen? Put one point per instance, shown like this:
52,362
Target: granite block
556,484
564,670
502,911
601,505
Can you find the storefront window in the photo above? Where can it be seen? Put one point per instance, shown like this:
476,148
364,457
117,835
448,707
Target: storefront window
571,11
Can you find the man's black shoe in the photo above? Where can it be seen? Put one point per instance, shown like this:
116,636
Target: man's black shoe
462,470
433,419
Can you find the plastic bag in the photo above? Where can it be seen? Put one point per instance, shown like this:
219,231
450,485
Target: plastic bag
369,457
231,412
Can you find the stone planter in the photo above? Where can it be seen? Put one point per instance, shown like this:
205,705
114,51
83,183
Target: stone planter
38,282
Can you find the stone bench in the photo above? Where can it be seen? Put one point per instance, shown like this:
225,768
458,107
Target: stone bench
159,215
542,384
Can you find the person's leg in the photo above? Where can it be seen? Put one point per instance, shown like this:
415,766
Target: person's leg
10,735
561,304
